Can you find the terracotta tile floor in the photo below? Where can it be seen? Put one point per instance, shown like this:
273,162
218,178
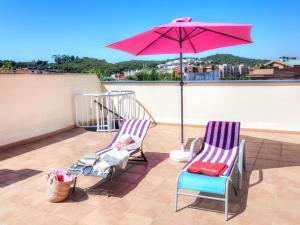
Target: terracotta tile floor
144,194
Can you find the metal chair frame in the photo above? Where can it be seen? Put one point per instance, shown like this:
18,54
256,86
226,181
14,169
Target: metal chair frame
239,162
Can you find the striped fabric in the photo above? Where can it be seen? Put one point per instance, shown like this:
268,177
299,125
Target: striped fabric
221,142
132,127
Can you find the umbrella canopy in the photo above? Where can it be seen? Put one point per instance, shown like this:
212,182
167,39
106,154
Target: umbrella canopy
195,37
184,36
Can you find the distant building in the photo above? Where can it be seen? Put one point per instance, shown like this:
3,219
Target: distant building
166,68
283,62
225,70
118,76
123,75
173,65
283,68
243,69
208,75
114,76
202,73
131,72
233,71
194,69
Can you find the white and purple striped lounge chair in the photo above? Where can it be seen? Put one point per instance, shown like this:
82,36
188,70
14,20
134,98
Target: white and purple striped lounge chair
221,144
134,127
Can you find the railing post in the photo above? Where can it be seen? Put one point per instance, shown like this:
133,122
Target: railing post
97,114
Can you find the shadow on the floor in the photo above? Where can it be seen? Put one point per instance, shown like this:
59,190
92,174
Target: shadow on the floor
261,154
128,179
19,150
8,177
77,195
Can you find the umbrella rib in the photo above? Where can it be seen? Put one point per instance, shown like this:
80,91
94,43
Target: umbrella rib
190,41
177,33
166,36
228,35
152,42
188,35
202,31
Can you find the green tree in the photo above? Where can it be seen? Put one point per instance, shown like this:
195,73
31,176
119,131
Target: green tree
7,67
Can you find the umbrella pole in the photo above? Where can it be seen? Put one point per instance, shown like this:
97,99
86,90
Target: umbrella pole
180,155
181,92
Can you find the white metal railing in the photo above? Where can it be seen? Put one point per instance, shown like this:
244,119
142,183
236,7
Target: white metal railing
142,113
104,111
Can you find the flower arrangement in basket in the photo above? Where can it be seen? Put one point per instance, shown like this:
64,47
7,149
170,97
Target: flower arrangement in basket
58,185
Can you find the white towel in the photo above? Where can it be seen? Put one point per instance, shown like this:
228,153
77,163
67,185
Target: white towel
112,158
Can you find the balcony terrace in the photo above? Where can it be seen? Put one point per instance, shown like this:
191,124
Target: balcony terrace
144,193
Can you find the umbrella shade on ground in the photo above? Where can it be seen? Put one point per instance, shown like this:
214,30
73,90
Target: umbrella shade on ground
184,36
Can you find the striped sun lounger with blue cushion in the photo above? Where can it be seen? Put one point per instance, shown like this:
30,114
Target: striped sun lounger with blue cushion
220,144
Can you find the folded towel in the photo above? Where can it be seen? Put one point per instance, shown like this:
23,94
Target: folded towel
112,158
207,168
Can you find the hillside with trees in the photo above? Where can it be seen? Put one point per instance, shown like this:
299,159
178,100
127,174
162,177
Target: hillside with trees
219,59
75,64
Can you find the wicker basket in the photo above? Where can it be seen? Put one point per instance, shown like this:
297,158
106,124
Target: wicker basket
57,191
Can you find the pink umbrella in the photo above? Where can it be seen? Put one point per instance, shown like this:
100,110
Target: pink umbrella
184,36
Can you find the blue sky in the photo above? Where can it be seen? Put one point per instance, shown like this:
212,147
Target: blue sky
38,29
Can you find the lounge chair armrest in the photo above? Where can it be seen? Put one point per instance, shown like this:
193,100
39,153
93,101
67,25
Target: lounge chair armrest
241,154
241,161
193,146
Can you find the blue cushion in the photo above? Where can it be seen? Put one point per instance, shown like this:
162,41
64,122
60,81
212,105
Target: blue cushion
201,183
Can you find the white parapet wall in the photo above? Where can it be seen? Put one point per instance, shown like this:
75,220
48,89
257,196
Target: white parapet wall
273,105
34,105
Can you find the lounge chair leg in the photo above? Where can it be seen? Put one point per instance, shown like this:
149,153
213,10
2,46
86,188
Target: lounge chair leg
143,155
240,184
74,185
226,200
140,158
109,188
238,180
176,200
111,173
240,176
